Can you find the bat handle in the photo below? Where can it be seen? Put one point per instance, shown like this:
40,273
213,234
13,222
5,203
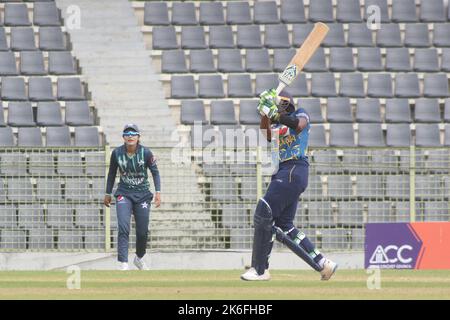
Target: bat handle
280,88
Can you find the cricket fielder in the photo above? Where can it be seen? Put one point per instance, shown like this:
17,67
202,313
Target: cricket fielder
275,211
133,195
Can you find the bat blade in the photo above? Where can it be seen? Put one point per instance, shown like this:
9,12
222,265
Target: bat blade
302,56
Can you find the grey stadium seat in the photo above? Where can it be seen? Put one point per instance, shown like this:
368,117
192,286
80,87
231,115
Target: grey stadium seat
40,89
191,111
87,137
369,59
323,85
427,110
352,85
29,137
339,186
13,164
359,35
13,89
432,11
379,212
61,63
427,135
370,135
94,239
312,106
2,117
350,214
13,239
202,136
397,59
416,35
335,36
368,110
299,87
173,61
183,87
164,38
397,110
317,62
6,137
211,13
70,89
58,137
300,32
51,38
8,64
223,188
398,135
49,114
292,11
70,239
222,112
234,215
210,86
201,61
248,36
229,60
239,85
265,81
436,85
48,189
383,9
19,189
238,13
248,113
220,37
320,214
8,217
426,60
389,36
183,13
20,114
32,63
447,135
46,14
193,37
16,14
95,166
156,13
60,215
22,38
379,85
230,136
321,10
326,161
369,187
265,12
317,136
41,164
407,85
447,110
341,60
257,60
445,64
348,11
339,110
341,135
88,215
404,11
69,164
281,58
440,35
276,36
78,114
3,42
436,211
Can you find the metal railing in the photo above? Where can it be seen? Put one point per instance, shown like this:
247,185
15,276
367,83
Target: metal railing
52,198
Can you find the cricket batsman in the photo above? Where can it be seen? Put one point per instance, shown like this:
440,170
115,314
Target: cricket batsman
275,211
133,195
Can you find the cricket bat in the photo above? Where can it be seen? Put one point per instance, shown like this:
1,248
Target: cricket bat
304,53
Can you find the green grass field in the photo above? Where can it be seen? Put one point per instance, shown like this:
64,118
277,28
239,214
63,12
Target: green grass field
175,284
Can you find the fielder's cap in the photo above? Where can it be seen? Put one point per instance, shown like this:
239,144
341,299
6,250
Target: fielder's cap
131,126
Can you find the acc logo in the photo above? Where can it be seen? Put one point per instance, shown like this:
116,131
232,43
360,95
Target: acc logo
289,74
380,255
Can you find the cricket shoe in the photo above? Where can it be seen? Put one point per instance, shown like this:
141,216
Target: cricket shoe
123,266
252,275
140,263
329,268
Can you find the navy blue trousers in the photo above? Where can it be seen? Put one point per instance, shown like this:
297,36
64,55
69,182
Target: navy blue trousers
137,204
284,190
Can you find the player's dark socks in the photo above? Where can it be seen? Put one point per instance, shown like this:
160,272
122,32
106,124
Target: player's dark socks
302,240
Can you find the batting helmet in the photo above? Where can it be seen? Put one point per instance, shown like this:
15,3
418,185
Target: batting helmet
286,102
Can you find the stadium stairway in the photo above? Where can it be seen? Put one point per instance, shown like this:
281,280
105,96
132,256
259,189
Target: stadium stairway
116,64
